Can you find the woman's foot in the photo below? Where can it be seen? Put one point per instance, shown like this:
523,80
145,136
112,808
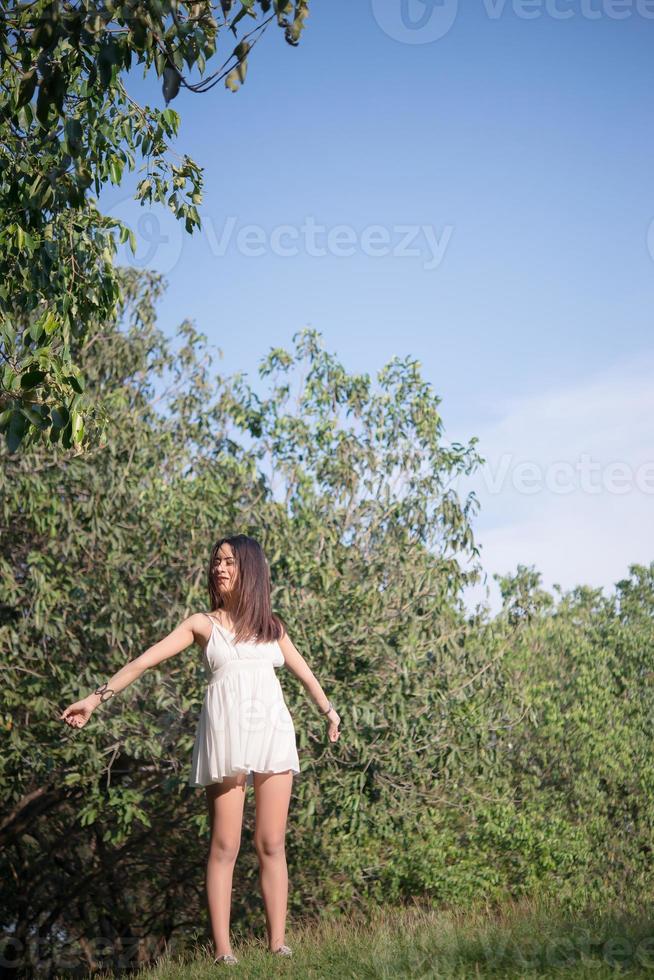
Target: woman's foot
282,951
228,959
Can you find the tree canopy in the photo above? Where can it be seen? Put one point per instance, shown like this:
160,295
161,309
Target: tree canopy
69,126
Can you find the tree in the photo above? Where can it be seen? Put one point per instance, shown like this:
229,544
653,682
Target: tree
522,597
477,757
67,127
105,551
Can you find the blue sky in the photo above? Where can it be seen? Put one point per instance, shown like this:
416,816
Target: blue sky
508,148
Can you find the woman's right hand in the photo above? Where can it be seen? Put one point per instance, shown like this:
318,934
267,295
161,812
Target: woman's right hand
76,715
333,721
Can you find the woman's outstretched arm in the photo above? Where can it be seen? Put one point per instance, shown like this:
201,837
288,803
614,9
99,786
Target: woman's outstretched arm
76,715
298,666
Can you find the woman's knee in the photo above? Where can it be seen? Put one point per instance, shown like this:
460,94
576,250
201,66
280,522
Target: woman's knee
224,849
269,847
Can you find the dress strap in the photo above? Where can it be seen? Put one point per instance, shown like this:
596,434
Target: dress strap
226,634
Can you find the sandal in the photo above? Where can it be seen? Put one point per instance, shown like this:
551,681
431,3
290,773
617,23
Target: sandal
227,959
282,951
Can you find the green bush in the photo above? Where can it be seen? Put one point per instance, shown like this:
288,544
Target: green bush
479,757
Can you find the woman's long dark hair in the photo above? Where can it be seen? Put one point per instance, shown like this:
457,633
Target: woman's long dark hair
251,610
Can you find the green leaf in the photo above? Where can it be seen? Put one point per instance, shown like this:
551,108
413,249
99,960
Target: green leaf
60,417
172,118
76,383
43,33
50,323
32,378
18,426
178,58
116,169
66,433
73,130
106,60
36,331
9,377
35,416
78,428
27,88
171,83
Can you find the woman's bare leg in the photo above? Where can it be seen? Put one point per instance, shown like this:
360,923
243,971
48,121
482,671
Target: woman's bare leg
272,794
225,801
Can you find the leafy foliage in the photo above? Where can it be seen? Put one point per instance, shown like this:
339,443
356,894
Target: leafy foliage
68,126
477,758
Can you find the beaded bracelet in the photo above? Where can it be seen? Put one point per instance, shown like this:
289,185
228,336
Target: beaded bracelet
329,708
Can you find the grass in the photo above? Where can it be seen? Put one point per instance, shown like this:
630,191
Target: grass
524,939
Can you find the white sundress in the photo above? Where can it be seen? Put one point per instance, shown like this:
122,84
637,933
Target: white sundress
244,723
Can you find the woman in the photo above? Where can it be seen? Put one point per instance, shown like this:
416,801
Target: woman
245,734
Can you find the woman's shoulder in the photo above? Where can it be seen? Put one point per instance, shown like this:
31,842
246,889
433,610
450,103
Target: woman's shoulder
205,618
281,626
202,624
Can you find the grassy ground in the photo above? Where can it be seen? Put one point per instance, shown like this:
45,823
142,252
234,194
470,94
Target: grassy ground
523,940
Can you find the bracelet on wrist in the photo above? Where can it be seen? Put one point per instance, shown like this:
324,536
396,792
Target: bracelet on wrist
329,708
104,692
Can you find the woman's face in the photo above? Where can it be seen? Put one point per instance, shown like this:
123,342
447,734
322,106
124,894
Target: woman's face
225,569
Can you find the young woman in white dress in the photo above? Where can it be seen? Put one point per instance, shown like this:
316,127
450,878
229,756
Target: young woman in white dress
245,735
